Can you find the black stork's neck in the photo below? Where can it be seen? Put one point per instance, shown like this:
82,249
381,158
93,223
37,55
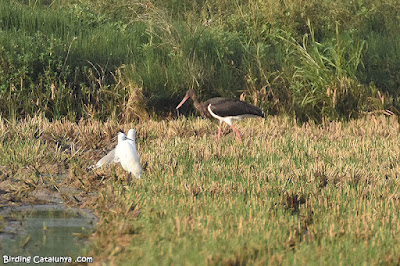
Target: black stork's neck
196,102
200,106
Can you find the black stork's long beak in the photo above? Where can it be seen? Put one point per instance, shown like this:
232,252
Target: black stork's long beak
183,101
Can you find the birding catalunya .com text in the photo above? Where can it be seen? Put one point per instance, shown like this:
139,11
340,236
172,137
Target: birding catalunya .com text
41,259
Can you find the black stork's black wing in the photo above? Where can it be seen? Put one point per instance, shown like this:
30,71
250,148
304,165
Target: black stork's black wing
232,107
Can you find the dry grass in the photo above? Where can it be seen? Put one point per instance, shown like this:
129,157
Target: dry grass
288,194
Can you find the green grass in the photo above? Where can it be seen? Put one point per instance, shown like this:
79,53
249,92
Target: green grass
314,60
288,194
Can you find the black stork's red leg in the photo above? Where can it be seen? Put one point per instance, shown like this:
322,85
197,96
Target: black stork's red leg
237,133
219,130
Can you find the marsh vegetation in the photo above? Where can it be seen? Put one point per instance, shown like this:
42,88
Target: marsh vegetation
91,58
315,182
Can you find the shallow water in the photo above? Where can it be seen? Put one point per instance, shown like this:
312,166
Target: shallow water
44,230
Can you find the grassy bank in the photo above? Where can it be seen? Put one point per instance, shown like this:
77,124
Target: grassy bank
95,59
289,194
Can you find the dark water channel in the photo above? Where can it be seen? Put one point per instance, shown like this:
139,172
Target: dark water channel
44,231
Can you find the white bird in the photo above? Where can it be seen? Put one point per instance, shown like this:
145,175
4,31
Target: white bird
111,156
127,155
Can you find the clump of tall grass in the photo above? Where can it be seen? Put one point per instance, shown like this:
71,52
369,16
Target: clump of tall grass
322,77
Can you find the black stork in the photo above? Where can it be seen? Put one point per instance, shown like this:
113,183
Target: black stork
224,109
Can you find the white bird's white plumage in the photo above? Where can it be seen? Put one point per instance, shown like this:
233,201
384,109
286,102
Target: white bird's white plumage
110,157
127,154
107,159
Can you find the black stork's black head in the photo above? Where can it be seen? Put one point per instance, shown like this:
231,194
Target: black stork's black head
189,94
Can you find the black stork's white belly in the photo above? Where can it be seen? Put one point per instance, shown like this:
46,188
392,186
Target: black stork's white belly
228,119
229,110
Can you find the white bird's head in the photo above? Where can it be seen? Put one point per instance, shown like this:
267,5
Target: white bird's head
121,137
132,134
